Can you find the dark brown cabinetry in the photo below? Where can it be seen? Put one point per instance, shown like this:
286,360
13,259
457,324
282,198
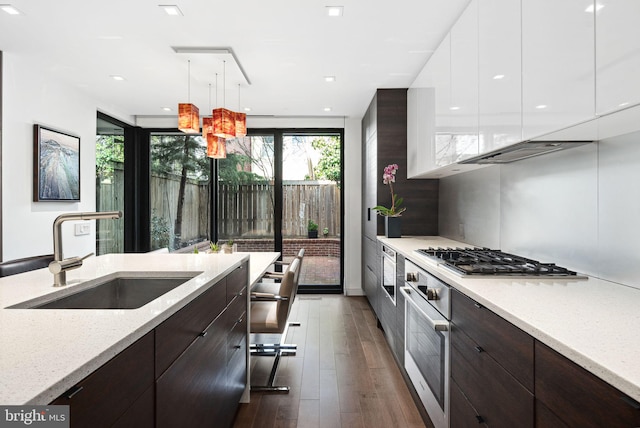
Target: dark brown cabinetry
570,396
106,395
191,370
384,142
492,365
203,385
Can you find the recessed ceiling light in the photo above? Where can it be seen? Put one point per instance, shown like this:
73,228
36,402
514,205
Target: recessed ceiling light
334,10
247,109
498,77
166,108
171,9
329,78
11,10
454,108
117,77
541,106
626,103
593,8
327,109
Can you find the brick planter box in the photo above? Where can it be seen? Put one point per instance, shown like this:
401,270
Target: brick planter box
326,247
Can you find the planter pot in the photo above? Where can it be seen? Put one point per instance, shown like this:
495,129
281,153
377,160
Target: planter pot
312,233
392,227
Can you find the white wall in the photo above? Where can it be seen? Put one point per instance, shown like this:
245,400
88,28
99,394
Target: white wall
579,208
30,98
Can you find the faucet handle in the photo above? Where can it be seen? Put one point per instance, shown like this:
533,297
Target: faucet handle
67,264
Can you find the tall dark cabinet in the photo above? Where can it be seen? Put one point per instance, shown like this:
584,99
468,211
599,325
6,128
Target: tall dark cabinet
384,142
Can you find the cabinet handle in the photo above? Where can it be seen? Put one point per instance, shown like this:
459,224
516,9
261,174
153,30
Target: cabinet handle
73,391
237,347
630,401
478,349
203,334
478,305
368,214
480,419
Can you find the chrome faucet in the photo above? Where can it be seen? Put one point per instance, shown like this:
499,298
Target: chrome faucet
59,266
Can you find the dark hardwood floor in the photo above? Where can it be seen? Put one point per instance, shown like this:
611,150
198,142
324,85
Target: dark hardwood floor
343,374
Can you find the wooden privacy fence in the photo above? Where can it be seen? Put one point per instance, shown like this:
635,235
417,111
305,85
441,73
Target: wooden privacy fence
244,211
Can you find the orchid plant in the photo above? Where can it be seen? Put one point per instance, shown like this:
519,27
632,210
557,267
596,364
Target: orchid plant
389,177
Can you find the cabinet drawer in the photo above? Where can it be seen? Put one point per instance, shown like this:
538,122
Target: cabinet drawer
141,414
176,333
511,347
496,395
187,392
461,413
237,282
545,418
578,397
236,322
106,394
387,318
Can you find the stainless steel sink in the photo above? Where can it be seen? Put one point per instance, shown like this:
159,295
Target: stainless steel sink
119,291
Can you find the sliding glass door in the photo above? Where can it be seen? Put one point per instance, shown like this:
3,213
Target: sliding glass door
280,190
311,214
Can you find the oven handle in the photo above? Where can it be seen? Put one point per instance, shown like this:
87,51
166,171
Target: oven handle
437,325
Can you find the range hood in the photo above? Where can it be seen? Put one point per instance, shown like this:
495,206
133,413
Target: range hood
524,150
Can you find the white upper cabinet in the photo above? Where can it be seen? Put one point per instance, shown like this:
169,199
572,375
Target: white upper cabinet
457,135
499,74
420,131
617,54
558,78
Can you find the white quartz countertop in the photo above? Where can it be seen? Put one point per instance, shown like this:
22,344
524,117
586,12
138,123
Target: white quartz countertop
44,352
593,322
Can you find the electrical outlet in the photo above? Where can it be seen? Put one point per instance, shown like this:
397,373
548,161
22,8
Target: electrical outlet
461,230
82,229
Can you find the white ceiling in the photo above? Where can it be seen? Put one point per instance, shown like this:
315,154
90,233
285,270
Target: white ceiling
285,47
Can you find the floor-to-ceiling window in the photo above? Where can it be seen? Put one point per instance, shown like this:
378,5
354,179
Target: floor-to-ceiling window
109,184
178,191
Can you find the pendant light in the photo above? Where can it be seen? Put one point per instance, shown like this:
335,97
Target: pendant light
241,119
224,121
188,114
216,146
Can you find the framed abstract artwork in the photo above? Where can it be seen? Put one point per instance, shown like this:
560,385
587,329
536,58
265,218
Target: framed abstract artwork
56,165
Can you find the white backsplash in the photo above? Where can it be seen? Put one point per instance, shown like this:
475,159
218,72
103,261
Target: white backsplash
578,208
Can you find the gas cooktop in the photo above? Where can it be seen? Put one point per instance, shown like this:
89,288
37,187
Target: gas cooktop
483,261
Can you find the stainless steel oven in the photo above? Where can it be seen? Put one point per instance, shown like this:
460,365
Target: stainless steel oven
389,272
427,316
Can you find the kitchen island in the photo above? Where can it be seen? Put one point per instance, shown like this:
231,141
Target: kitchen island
592,322
44,352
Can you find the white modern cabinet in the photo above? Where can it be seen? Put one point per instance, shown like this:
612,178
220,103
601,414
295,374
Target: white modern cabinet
459,139
420,131
617,55
442,109
499,74
558,54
